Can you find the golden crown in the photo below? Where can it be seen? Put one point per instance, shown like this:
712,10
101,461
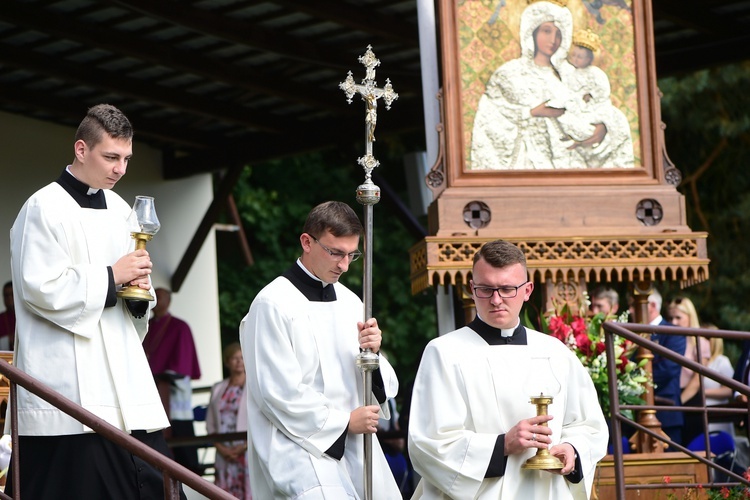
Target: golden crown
586,38
561,3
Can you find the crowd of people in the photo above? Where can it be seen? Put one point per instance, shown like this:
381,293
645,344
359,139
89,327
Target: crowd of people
677,385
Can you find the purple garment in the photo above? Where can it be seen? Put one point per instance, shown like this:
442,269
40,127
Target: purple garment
169,346
8,327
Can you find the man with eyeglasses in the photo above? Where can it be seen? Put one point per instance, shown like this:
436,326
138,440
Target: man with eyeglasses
472,426
300,340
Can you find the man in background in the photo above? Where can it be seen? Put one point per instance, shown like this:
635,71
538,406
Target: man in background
604,300
666,372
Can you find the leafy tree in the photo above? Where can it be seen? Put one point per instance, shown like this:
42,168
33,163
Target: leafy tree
708,119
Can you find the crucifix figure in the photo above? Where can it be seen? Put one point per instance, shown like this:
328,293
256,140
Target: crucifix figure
368,194
370,93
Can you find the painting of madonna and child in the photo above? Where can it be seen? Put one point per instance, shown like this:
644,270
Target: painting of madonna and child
548,84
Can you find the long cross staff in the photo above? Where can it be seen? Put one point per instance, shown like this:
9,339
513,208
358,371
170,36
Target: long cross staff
368,194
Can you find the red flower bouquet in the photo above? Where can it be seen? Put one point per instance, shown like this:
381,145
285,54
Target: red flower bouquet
585,337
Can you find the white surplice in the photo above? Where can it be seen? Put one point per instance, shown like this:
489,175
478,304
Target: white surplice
66,338
467,393
303,383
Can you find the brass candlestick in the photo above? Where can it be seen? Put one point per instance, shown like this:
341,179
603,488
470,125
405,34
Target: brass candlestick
144,215
541,380
543,460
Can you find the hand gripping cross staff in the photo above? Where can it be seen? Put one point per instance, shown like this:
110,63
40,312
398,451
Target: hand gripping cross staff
368,194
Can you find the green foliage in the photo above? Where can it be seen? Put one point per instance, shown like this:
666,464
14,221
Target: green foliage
708,127
274,199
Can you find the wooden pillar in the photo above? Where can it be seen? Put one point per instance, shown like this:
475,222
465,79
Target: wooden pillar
470,309
645,443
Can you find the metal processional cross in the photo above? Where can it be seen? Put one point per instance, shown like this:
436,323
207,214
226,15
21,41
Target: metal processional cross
368,194
370,94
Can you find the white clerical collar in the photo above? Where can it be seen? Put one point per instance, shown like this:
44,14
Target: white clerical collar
656,320
322,283
91,190
505,332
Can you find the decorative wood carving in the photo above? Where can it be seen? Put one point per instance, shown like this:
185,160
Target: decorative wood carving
661,257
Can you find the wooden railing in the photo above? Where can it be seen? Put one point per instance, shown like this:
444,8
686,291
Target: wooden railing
172,471
635,333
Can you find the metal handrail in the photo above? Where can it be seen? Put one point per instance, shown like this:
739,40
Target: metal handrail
171,470
633,332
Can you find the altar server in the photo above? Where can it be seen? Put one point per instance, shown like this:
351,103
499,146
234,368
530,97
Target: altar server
300,340
472,426
71,250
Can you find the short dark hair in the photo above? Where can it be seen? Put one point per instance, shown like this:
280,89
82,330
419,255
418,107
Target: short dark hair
7,285
500,253
333,216
100,119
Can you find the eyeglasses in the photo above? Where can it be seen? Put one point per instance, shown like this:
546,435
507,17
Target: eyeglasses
336,255
505,292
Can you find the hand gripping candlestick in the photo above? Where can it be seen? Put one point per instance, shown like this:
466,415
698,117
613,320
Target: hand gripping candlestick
144,215
542,381
368,194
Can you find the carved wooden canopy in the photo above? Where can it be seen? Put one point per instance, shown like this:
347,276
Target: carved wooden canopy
663,257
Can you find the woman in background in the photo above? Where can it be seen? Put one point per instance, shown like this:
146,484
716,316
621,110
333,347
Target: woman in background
682,313
716,393
227,412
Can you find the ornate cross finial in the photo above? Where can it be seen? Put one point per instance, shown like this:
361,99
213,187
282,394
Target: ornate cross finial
370,93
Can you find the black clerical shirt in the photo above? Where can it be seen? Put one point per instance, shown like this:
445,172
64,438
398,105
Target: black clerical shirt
83,195
80,192
493,336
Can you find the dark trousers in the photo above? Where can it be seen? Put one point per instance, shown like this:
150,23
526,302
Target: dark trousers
87,466
187,456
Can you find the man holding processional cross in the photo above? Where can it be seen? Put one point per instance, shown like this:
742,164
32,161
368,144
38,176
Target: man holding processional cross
306,421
